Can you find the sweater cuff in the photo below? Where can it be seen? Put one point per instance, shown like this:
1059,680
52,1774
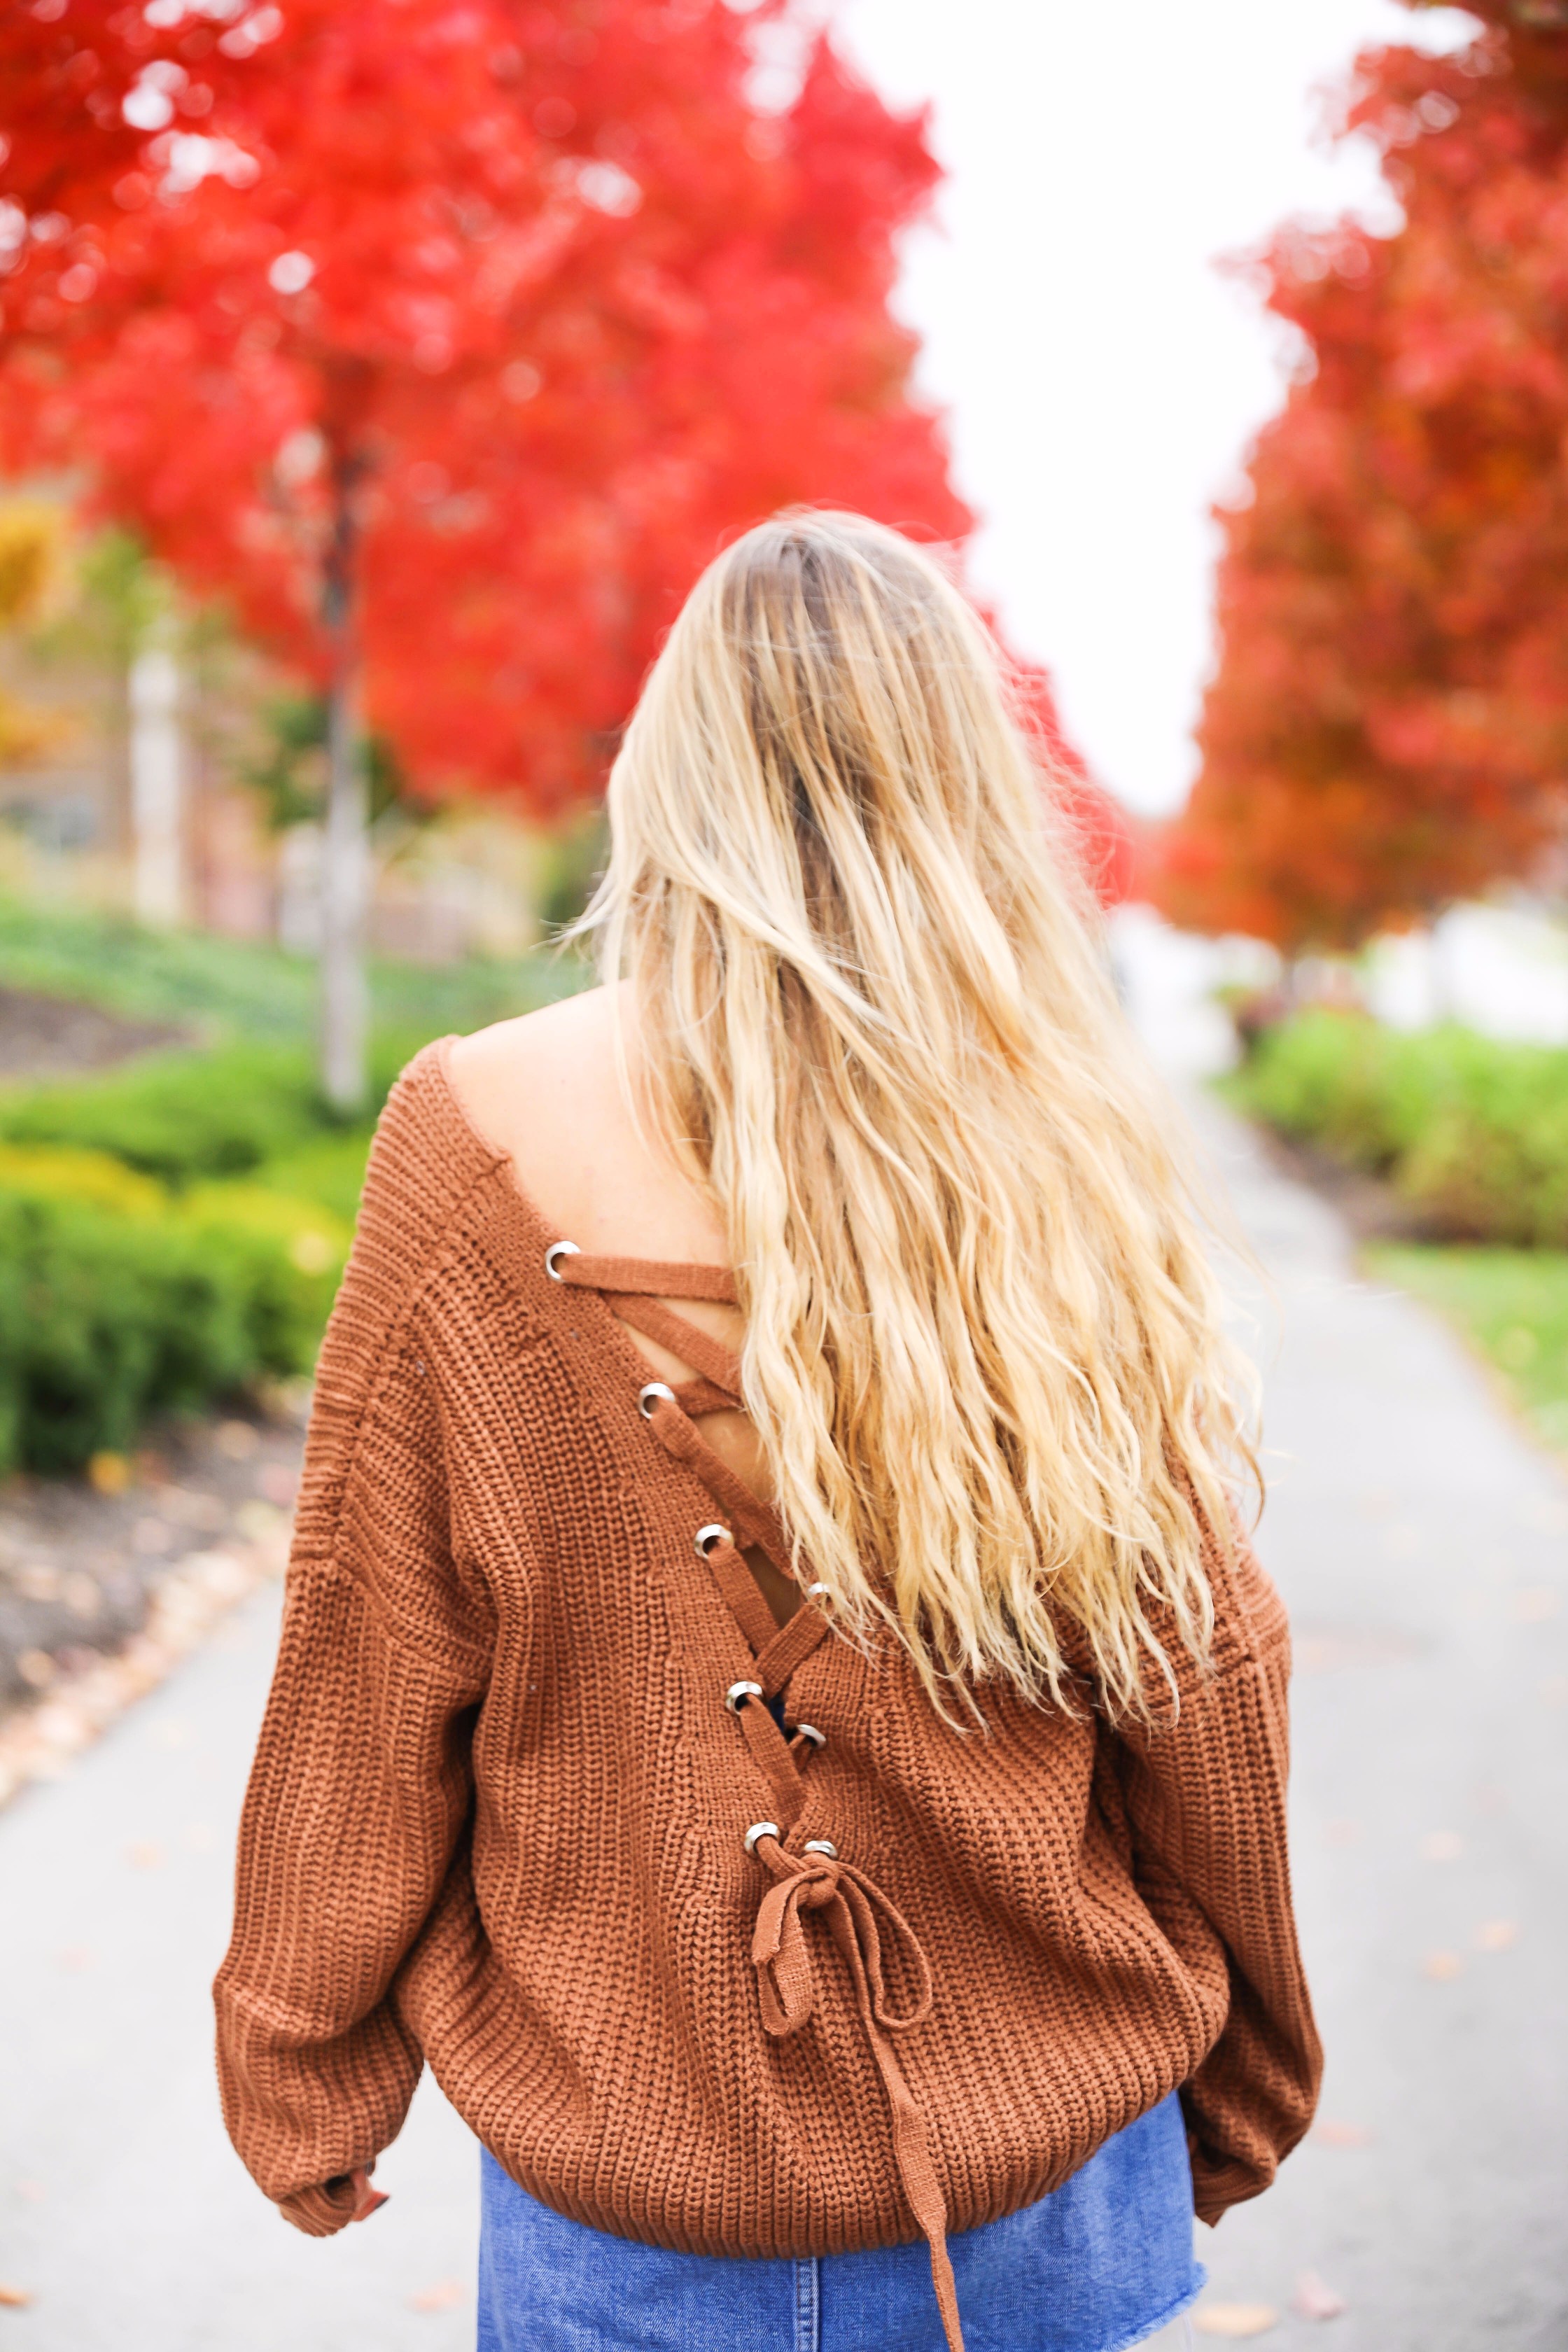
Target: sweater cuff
1219,2182
321,2211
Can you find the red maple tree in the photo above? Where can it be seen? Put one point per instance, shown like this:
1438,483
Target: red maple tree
1387,729
451,342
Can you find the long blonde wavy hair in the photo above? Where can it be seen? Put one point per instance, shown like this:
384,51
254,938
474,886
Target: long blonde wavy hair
983,1348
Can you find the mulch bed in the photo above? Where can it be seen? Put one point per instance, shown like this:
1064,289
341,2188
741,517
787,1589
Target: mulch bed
100,1592
42,1037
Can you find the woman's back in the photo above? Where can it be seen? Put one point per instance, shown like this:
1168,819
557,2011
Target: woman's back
775,1703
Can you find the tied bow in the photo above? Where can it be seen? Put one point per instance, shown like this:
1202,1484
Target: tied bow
821,1882
857,1912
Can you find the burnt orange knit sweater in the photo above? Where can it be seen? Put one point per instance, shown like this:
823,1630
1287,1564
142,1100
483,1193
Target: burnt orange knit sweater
500,1812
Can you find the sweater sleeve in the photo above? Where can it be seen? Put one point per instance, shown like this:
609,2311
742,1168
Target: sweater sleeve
360,1793
1205,1804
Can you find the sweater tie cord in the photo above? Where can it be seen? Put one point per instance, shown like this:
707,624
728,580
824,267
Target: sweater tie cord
857,1912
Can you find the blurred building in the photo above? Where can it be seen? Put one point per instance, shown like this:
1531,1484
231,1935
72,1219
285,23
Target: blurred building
138,800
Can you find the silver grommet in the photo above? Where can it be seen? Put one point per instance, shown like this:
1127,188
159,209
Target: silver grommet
809,1731
821,1846
649,1392
558,1249
707,1538
760,1830
737,1694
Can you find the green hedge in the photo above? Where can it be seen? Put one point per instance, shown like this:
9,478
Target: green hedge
177,1117
181,1117
118,1300
174,1230
1472,1134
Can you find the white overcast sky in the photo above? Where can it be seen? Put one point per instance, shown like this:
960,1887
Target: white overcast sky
1102,379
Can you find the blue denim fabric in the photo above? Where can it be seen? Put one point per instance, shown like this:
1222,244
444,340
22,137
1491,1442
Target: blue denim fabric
1101,2264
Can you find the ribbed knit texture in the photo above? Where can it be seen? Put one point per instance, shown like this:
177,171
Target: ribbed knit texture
497,1813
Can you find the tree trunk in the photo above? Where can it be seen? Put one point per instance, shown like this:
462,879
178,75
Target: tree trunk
157,788
345,861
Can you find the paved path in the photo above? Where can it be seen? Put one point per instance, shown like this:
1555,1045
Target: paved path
1423,1546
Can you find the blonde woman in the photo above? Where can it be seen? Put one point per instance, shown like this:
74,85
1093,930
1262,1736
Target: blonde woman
773,1705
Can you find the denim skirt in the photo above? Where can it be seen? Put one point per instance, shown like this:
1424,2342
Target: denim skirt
1105,2261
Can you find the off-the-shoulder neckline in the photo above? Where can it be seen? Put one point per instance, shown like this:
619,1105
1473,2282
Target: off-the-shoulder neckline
441,1061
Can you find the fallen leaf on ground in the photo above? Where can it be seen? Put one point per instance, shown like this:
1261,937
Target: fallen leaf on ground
1441,1846
1313,2300
14,2298
1235,2318
445,2295
1338,2135
1496,1935
144,1853
110,1474
1442,1967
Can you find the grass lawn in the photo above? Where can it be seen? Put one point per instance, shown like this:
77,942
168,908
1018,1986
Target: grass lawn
1512,1306
234,988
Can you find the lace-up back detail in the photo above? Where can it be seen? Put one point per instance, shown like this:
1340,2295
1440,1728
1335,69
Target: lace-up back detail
809,1875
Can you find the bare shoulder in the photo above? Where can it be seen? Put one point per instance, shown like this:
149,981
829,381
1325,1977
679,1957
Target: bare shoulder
519,1080
546,1090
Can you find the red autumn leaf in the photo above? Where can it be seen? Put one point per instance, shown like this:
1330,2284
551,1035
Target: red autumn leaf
1314,2300
1333,2134
445,2295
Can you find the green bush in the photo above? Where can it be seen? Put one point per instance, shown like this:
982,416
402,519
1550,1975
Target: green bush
330,1170
117,1301
230,1111
1471,1133
175,1229
177,1117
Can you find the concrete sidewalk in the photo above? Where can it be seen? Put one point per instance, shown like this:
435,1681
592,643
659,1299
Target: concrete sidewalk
124,2209
1423,1546
1421,1542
